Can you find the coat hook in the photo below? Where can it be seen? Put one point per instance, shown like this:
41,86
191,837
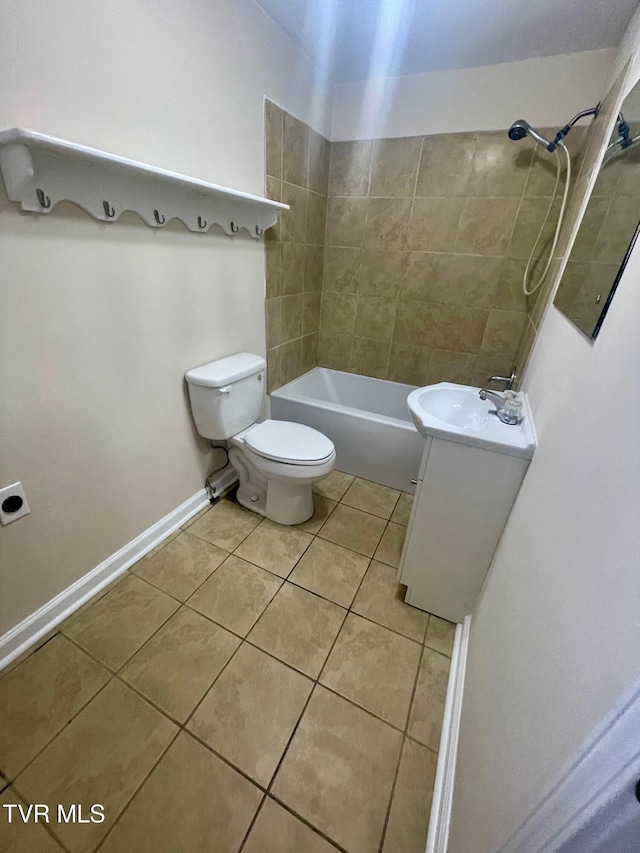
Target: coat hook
109,212
235,228
159,219
259,231
202,223
44,200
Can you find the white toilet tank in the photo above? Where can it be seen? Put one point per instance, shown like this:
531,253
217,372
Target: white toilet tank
226,395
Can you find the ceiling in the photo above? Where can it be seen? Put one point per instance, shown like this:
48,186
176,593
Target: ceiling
355,39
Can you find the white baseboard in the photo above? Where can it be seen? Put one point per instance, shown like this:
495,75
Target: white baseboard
438,837
26,633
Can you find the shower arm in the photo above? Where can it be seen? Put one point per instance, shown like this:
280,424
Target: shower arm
560,135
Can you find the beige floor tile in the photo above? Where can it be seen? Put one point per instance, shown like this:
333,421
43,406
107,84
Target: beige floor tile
191,802
322,509
374,667
275,547
389,550
440,635
236,595
338,771
299,628
19,837
353,529
161,545
38,698
402,512
371,497
425,723
381,598
102,756
409,816
250,712
182,565
226,524
180,662
331,571
334,486
277,831
118,624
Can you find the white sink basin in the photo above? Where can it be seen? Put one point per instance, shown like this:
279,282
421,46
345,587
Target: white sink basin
456,413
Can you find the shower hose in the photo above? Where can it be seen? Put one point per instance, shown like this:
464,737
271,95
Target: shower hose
525,280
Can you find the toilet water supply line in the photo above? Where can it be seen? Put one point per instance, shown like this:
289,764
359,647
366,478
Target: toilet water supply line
525,279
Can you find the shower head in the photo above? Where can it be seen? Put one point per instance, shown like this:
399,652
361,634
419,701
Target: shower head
521,128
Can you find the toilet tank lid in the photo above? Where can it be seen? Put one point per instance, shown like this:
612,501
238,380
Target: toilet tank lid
215,374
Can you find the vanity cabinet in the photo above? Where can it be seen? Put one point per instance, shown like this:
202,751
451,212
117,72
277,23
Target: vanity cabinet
462,502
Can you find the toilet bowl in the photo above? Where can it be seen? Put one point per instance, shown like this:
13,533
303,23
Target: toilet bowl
277,461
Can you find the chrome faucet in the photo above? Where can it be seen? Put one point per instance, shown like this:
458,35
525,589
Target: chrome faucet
507,381
500,402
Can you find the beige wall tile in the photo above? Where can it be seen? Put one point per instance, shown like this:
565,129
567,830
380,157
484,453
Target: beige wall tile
313,267
472,280
311,312
316,218
450,366
350,168
273,190
345,222
273,118
425,276
370,357
486,225
291,321
387,221
272,268
503,331
308,352
375,317
409,364
394,167
525,346
500,167
293,268
338,313
380,272
334,350
290,360
509,295
416,323
274,323
446,164
295,155
319,159
434,224
293,221
273,369
461,328
340,269
531,215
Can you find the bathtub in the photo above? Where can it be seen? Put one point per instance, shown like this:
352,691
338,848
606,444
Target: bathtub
367,420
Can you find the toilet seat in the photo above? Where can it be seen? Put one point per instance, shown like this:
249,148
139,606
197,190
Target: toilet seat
288,442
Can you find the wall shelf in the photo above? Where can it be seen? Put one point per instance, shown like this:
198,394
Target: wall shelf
39,171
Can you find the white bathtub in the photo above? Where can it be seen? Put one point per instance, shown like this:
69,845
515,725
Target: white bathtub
367,420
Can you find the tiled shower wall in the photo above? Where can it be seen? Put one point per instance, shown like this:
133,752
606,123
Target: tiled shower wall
426,243
297,166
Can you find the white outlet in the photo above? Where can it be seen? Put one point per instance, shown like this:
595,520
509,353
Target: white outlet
7,512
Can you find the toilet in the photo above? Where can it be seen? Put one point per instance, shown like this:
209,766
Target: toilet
277,461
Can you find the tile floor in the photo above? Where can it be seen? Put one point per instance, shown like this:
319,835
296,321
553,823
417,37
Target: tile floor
244,687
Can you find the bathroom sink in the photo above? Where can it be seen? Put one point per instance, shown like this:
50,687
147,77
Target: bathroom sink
456,413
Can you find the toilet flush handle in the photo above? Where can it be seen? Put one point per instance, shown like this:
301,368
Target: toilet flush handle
225,390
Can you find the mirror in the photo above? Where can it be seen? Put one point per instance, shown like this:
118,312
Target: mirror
608,230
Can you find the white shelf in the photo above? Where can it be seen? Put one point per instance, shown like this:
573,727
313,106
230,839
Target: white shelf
39,171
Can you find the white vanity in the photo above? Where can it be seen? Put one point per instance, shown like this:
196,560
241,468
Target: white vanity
471,471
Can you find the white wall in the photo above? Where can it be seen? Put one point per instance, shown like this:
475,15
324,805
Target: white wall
546,91
556,632
99,322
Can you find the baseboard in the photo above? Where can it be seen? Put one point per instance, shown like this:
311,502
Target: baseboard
438,837
26,633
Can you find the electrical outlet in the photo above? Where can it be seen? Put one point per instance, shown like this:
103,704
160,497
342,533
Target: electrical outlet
13,504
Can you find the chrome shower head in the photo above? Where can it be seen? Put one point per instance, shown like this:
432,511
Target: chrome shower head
521,128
